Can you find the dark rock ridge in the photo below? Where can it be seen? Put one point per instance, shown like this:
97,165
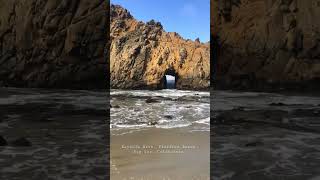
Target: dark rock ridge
53,43
141,54
266,44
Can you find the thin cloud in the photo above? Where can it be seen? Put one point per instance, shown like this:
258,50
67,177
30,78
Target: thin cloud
189,10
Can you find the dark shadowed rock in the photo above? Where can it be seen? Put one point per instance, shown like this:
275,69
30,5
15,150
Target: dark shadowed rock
266,44
3,142
277,104
21,142
168,117
254,144
238,108
53,43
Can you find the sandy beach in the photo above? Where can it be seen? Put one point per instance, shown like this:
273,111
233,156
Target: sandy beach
156,153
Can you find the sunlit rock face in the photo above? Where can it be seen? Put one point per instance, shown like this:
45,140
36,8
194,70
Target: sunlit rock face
267,42
142,53
53,43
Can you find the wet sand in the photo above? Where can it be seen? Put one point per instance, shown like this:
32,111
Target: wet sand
157,154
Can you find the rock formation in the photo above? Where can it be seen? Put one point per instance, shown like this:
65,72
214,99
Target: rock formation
266,43
142,53
53,43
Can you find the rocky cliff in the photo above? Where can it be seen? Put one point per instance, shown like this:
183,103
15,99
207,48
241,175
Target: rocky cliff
53,43
141,54
263,44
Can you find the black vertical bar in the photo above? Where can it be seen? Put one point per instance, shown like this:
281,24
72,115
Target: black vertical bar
107,76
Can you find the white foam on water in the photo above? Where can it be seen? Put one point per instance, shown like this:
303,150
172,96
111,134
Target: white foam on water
204,121
161,93
171,126
135,113
129,126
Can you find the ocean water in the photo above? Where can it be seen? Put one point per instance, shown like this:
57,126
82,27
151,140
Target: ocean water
172,109
251,150
67,129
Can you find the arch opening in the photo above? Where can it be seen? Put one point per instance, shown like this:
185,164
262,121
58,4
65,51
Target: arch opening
169,80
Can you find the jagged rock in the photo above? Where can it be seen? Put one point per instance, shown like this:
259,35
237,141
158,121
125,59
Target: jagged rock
159,51
264,44
53,43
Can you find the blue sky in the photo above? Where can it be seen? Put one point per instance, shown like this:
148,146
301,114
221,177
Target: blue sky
189,18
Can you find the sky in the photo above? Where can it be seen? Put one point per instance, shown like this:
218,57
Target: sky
189,18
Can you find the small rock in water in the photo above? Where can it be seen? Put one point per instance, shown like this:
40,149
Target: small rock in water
3,142
254,144
152,123
150,100
238,108
115,106
277,104
168,116
21,142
